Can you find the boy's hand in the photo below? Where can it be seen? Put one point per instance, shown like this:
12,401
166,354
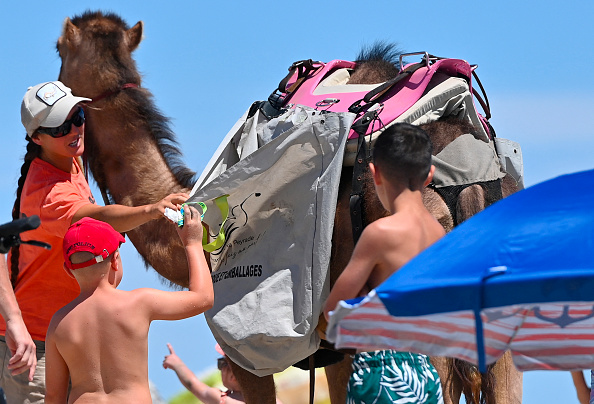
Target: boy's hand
171,201
191,232
171,361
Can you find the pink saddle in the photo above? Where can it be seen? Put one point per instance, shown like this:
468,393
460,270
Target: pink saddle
318,85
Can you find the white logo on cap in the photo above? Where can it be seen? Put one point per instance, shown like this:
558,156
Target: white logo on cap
50,94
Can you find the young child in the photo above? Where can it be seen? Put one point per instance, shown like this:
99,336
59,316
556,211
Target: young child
205,393
99,340
401,168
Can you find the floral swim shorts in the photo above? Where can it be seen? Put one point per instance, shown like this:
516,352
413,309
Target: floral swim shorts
393,377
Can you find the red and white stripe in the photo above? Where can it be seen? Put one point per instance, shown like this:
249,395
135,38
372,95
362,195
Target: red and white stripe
535,343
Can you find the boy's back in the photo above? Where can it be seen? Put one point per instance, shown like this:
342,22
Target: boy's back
397,239
100,340
103,340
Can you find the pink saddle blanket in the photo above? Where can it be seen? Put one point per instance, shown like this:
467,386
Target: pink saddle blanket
384,102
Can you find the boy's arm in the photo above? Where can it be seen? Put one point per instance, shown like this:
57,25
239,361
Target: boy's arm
56,371
354,277
200,296
205,393
125,218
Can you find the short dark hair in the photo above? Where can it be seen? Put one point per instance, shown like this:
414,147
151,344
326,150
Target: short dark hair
402,152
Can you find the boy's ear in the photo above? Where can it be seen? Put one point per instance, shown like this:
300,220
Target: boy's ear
115,265
429,176
375,173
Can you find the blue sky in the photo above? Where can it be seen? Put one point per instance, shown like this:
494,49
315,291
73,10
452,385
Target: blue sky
206,62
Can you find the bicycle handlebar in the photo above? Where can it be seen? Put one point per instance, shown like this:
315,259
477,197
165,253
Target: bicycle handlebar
9,233
19,225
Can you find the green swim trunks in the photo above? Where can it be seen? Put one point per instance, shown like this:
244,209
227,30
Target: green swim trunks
393,377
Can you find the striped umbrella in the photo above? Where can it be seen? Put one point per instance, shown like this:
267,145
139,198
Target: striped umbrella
517,276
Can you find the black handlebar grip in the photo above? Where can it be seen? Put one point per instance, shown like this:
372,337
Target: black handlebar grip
19,225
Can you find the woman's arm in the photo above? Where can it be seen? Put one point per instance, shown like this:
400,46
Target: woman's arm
125,218
18,340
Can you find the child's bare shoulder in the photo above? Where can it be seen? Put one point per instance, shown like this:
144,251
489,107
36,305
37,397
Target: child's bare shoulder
381,235
60,319
431,224
63,312
393,225
375,231
55,321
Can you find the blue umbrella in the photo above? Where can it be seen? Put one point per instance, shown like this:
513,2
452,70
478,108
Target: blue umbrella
518,275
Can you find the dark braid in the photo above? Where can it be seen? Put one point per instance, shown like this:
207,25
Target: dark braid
33,150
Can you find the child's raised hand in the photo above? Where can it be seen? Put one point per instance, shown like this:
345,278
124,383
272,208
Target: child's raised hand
191,232
171,361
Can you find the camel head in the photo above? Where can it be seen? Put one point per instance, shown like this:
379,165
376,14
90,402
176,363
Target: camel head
96,52
131,150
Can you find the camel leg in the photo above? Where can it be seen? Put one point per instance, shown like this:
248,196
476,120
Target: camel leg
470,202
438,208
338,376
508,381
255,389
581,388
451,386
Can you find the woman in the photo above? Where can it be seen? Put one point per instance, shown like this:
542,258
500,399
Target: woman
53,186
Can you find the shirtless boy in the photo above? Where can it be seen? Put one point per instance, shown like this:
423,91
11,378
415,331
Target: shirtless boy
401,168
99,340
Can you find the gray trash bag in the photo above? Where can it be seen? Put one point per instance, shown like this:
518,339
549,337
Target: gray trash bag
270,274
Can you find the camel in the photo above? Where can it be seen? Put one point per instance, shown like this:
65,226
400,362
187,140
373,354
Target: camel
132,155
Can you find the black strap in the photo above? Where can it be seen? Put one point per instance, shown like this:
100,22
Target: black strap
361,125
484,103
105,196
356,200
303,68
451,194
312,378
270,108
372,96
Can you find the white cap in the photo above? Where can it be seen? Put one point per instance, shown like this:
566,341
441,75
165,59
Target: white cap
48,105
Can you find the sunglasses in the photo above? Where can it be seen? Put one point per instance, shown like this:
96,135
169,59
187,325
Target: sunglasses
78,118
221,363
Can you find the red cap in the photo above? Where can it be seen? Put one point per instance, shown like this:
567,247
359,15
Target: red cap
90,235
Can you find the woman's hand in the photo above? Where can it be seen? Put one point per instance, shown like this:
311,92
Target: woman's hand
172,201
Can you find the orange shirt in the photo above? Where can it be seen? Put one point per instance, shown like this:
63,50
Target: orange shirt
43,286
